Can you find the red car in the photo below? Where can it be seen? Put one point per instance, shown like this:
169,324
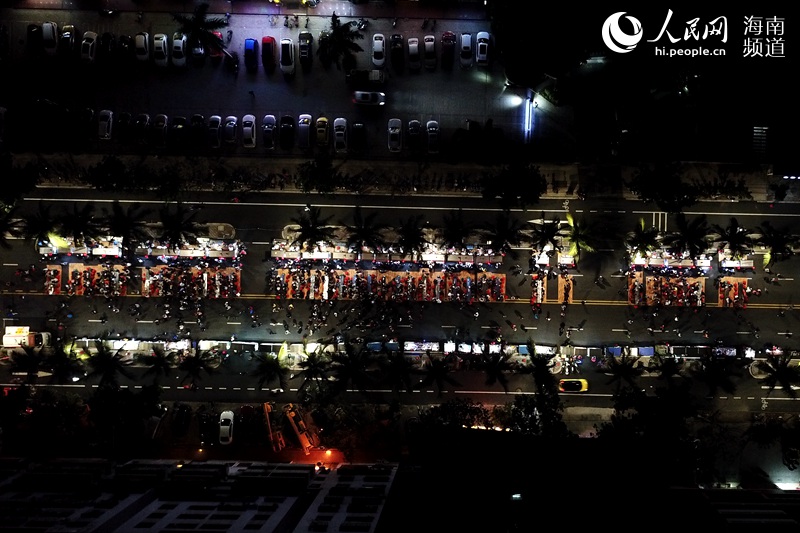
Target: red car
268,52
215,51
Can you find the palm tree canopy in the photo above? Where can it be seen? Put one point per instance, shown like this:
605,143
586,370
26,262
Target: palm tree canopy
780,243
780,372
496,366
437,372
178,226
581,236
456,230
691,236
315,369
39,226
108,364
314,228
410,237
159,363
269,369
199,28
340,42
734,237
80,224
547,233
364,231
126,223
194,366
504,232
352,366
397,371
642,239
624,370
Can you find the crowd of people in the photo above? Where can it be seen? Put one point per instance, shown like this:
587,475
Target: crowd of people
189,283
107,280
52,281
733,292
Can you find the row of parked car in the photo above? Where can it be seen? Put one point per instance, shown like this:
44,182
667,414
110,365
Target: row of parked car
69,42
218,131
424,53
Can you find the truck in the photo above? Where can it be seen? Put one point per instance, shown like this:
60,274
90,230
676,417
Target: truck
365,78
16,336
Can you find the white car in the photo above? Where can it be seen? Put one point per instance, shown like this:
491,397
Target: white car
465,50
287,57
268,131
249,131
141,43
378,50
179,49
482,48
340,135
161,49
395,131
429,42
88,47
226,427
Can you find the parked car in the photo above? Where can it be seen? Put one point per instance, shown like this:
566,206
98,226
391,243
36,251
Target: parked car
305,39
159,130
50,38
268,53
395,131
340,135
106,47
573,385
216,52
198,50
414,56
33,40
198,130
322,40
105,122
179,132
397,52
179,49
433,136
378,50
88,47
68,43
482,49
249,131
229,129
181,419
141,41
268,132
142,127
465,50
414,136
251,55
123,127
304,131
369,98
161,49
430,52
321,128
287,132
448,49
126,50
287,57
226,427
214,131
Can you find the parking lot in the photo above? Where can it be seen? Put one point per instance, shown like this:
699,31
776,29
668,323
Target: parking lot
448,96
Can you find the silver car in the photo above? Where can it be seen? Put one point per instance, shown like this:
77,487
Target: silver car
249,131
229,129
340,135
395,131
105,121
304,131
268,131
214,128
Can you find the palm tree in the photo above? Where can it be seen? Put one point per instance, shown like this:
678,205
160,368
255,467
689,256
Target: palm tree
351,367
364,232
496,366
178,226
80,224
456,231
691,236
668,367
734,238
194,366
159,363
340,43
108,364
642,240
27,360
314,369
624,369
437,372
780,371
780,243
504,233
580,236
270,369
547,233
199,28
10,227
127,224
63,364
715,373
410,237
41,225
397,371
540,369
313,229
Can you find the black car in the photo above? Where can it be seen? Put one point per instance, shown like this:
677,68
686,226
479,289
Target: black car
107,46
142,127
448,49
197,131
414,134
251,55
178,132
287,132
126,51
397,53
69,42
181,419
34,43
358,138
305,41
123,126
